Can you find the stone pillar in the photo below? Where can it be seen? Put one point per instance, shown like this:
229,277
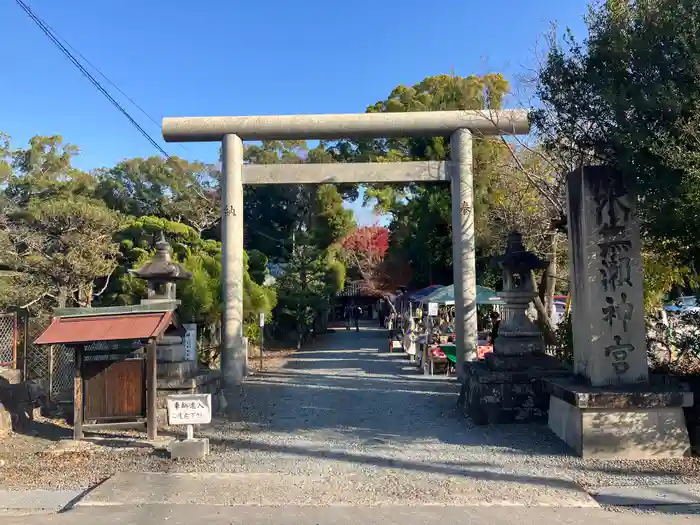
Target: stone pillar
190,341
607,285
463,255
609,409
232,352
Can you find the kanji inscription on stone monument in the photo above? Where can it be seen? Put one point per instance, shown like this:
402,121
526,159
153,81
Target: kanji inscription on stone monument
613,213
616,265
613,204
608,313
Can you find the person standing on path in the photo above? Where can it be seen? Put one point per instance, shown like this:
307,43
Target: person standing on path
390,324
495,323
356,313
348,315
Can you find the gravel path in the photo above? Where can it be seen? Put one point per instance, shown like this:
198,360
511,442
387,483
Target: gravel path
347,407
365,424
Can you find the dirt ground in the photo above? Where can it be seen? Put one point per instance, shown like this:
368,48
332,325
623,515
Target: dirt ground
42,455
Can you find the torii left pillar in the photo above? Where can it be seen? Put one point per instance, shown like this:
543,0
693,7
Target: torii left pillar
463,247
233,350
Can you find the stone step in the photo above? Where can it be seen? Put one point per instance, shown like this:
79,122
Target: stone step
170,354
177,370
48,500
654,495
169,340
330,488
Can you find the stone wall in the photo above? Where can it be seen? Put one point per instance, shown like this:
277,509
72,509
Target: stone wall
18,399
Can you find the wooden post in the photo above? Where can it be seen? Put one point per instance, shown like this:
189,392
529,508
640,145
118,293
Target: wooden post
14,342
151,408
78,393
25,338
51,350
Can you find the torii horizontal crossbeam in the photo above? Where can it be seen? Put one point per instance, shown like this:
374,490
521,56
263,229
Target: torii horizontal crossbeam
360,125
364,172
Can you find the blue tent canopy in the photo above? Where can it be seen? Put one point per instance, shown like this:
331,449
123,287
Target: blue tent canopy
446,295
420,294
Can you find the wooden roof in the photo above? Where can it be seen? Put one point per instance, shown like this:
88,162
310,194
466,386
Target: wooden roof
97,328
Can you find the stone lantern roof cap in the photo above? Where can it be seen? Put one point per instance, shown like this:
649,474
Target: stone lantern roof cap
162,267
518,258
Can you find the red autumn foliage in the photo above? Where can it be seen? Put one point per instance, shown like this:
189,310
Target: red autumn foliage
373,241
365,250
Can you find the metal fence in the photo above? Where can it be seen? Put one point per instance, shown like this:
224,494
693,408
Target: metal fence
8,340
50,366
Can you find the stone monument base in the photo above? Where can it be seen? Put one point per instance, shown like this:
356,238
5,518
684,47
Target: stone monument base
204,382
507,388
634,422
195,448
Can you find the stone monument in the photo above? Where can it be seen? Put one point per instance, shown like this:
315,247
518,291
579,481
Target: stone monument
178,372
506,386
610,408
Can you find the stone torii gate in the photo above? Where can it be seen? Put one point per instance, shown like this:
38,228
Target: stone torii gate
232,131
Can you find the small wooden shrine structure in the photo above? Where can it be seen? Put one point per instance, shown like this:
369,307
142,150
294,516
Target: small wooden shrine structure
115,348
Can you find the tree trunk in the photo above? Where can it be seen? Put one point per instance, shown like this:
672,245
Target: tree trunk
542,287
85,295
545,323
62,297
551,278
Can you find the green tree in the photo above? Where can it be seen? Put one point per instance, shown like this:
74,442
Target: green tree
330,221
201,296
275,213
257,266
54,236
172,188
43,170
421,224
61,247
137,240
305,289
629,97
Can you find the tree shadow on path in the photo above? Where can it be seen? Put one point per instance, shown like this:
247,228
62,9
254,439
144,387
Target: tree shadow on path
344,386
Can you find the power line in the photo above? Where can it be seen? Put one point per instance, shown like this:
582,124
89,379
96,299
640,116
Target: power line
93,66
48,32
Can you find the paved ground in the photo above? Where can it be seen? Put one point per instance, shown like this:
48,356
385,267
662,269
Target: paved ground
346,423
212,515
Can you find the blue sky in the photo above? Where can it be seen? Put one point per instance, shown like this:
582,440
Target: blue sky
219,57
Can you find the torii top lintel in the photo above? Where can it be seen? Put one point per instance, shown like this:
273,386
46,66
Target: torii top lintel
359,125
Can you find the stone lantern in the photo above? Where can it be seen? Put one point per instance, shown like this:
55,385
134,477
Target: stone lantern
178,370
517,334
161,274
506,387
